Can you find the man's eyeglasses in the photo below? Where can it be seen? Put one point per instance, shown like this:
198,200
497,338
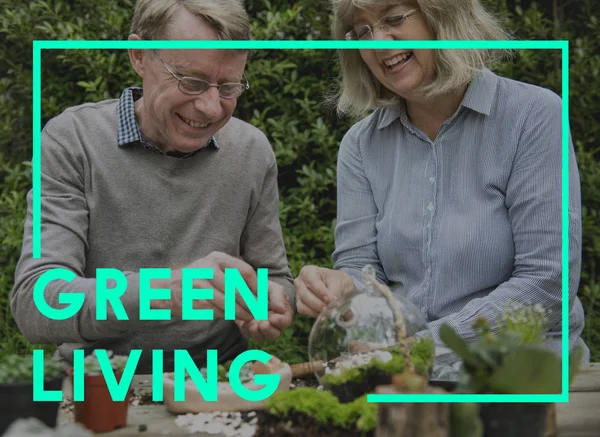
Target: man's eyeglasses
388,24
195,86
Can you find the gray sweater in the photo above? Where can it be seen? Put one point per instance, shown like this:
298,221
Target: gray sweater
127,208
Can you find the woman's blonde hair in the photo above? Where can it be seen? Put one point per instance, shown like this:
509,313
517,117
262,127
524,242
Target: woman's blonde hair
359,91
151,18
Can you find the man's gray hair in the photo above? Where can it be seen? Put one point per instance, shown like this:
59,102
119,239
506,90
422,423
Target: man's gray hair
151,18
360,91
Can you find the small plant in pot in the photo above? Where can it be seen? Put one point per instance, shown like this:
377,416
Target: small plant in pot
511,359
311,412
98,412
16,390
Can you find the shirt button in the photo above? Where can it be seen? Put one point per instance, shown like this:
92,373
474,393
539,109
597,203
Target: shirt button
431,180
430,206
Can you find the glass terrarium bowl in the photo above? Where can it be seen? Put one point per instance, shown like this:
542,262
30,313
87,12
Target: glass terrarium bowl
365,337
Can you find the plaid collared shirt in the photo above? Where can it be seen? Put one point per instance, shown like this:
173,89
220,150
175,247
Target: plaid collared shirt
129,131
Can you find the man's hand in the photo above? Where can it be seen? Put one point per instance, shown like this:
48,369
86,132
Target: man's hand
218,262
316,287
281,316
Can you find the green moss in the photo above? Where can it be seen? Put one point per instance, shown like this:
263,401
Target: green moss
422,356
362,413
361,373
356,374
395,365
324,408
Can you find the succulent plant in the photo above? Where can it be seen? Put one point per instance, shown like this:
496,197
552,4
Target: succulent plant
19,369
92,365
514,359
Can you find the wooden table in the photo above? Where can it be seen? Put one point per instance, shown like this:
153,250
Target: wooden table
580,417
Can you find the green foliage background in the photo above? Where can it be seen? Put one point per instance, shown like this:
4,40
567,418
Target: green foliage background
286,102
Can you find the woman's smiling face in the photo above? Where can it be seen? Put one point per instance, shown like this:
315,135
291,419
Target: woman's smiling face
400,71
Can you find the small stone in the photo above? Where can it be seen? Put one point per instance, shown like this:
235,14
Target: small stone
229,431
142,427
184,420
383,356
196,427
214,428
247,431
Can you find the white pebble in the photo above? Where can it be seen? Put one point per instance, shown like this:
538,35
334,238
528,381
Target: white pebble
229,431
196,427
247,431
184,419
229,424
383,356
214,428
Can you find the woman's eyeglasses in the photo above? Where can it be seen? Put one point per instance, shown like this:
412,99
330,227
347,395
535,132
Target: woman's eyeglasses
388,24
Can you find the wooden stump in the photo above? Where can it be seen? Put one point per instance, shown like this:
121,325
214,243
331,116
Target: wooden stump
412,419
551,428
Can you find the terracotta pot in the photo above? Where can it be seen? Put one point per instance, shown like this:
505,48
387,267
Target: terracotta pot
16,401
98,412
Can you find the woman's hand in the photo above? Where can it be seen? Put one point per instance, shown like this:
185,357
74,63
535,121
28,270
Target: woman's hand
316,287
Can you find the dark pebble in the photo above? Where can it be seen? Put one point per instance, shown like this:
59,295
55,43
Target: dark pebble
142,428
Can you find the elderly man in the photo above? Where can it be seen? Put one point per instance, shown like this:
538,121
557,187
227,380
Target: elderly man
164,177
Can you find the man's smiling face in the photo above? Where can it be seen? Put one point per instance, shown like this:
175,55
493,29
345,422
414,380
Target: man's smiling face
171,119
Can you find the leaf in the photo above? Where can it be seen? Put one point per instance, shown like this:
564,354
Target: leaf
458,345
528,370
574,362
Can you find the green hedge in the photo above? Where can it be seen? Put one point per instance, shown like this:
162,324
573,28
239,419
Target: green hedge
286,101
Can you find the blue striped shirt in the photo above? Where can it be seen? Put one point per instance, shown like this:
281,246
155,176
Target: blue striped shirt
468,223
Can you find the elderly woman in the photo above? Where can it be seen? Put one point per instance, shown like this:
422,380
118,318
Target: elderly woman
451,186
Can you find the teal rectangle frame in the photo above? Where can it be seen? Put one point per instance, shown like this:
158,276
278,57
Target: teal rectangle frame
563,45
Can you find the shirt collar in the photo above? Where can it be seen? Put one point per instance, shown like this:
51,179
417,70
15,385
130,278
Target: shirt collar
479,97
128,131
481,92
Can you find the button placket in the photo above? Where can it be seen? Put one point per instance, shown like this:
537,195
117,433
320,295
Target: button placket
431,207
